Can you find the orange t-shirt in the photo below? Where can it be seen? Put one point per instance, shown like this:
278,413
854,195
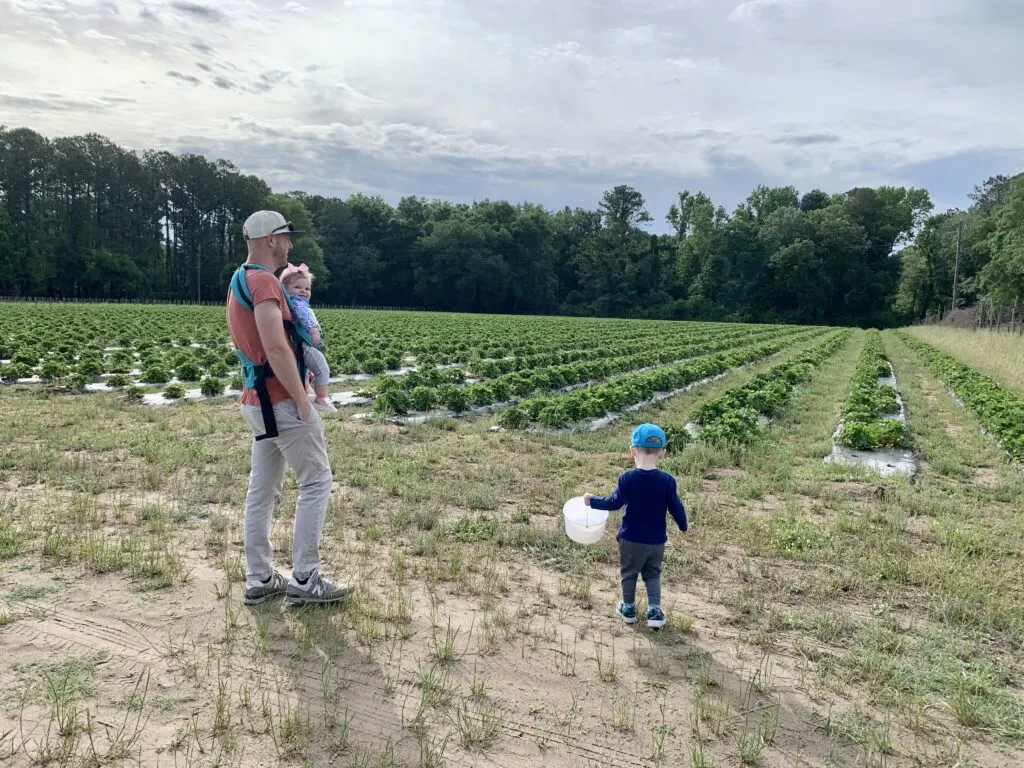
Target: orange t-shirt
242,326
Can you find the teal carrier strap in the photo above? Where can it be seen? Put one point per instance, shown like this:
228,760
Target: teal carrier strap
256,372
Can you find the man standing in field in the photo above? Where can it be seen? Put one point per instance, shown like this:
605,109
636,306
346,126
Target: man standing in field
258,318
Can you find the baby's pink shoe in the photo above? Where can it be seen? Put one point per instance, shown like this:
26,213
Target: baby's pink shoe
324,404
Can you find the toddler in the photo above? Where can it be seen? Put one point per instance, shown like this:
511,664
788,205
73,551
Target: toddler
298,282
647,493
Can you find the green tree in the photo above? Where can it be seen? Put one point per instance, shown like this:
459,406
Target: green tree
6,254
460,268
26,165
82,217
1003,276
605,261
703,266
764,200
814,200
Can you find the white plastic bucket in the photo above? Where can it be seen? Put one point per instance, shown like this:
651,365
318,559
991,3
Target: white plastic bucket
583,524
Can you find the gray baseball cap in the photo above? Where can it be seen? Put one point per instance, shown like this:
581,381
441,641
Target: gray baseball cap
263,223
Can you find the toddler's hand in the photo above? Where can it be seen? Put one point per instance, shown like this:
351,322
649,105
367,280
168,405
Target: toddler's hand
587,497
315,335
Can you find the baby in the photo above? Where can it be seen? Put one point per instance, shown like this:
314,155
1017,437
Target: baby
298,282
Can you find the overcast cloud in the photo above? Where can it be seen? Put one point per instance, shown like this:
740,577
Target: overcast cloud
551,101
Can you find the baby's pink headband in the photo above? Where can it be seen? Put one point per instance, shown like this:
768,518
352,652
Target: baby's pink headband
292,270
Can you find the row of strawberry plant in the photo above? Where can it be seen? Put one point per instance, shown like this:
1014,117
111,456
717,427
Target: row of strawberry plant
622,346
868,401
631,389
491,355
351,354
152,364
452,338
357,341
399,395
554,376
1000,411
736,415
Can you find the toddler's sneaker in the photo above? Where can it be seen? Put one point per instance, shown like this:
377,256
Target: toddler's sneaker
655,618
316,589
258,591
324,404
627,612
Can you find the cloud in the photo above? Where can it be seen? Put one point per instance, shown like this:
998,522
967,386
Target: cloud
753,10
807,139
473,99
94,34
198,11
267,80
190,79
51,102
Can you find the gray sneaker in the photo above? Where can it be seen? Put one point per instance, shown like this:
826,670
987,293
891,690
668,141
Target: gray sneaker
317,589
257,592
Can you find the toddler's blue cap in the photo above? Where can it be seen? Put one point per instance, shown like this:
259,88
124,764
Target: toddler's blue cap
648,436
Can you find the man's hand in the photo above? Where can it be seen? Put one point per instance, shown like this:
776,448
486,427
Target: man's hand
587,497
303,407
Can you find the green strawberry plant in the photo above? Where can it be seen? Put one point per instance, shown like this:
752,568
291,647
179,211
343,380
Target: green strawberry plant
736,415
864,427
999,410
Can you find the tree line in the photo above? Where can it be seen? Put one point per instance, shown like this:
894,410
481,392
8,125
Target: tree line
81,217
969,258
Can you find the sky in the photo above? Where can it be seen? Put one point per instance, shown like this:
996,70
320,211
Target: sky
548,101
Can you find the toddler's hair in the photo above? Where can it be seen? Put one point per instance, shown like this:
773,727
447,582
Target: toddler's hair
648,451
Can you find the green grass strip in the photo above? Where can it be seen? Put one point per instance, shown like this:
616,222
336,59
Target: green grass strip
1000,411
735,415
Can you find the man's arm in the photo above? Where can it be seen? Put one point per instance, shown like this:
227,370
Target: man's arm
676,508
270,325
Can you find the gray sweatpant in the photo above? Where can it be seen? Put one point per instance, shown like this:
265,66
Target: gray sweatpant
301,446
316,364
641,560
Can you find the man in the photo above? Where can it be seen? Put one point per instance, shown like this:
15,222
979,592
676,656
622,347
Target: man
259,332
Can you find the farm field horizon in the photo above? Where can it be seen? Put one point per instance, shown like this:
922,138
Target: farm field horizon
819,613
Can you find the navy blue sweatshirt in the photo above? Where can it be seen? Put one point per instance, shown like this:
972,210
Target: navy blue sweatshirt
647,494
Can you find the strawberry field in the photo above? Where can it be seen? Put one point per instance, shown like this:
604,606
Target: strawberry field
535,372
844,592
545,371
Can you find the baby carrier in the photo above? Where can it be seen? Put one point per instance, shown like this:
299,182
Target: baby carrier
254,373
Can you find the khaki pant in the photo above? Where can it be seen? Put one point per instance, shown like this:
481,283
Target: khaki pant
301,446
